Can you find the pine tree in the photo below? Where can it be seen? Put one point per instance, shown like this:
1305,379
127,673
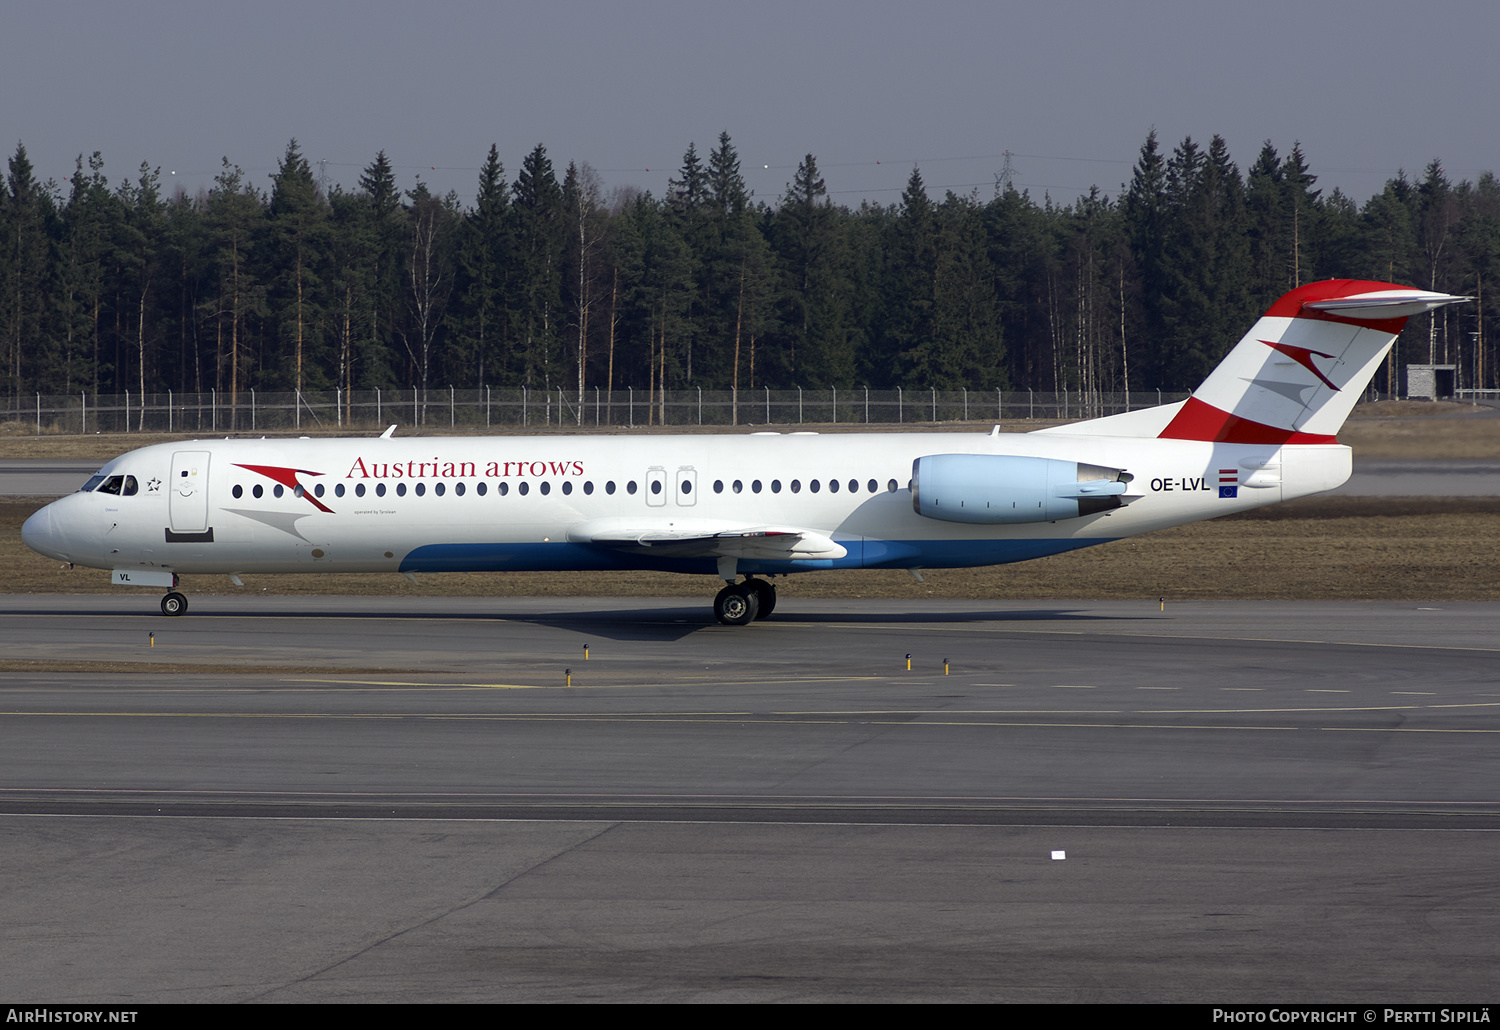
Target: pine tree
480,324
911,289
431,223
725,183
1269,273
805,234
26,208
580,203
138,252
1301,202
384,229
299,252
1146,214
540,233
84,245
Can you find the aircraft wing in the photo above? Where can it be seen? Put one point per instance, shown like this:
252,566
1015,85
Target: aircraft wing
705,538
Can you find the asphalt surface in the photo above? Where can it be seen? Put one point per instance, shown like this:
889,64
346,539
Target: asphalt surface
320,799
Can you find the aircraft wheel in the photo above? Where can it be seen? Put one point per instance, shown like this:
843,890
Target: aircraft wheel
766,593
736,605
174,604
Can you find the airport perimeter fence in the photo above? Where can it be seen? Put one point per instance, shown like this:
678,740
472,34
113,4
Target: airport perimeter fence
469,410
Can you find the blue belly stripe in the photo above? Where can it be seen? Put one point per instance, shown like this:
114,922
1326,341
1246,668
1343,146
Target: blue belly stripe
866,554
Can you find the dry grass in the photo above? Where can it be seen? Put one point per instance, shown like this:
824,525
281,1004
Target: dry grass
1418,549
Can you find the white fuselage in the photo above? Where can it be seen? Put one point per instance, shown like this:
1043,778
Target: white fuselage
544,503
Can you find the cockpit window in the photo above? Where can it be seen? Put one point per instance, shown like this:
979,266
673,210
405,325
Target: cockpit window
119,485
89,487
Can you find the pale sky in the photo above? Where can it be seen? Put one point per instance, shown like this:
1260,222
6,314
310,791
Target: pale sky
1070,88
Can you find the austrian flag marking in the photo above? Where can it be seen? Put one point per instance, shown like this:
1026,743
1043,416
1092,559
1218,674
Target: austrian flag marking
1229,483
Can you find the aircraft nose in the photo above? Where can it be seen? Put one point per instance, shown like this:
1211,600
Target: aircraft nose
41,534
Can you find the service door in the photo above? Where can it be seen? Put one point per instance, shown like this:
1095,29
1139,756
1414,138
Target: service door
188,503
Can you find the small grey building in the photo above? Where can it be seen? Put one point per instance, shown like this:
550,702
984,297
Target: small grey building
1431,382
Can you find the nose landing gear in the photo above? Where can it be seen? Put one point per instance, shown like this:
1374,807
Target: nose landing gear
174,603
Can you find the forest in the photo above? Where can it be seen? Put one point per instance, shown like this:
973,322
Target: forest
548,282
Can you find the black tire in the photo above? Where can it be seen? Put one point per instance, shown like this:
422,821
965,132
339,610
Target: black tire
736,605
766,593
174,604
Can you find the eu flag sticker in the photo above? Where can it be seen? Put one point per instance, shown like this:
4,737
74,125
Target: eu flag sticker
1229,491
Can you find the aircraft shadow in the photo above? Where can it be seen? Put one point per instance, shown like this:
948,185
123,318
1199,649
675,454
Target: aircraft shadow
644,624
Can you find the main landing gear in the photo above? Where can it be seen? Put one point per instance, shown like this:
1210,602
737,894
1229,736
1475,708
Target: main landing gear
175,603
740,604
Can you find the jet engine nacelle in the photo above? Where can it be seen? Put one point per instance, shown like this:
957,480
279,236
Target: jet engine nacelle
995,489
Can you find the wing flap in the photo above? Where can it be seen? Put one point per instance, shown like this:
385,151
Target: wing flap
702,538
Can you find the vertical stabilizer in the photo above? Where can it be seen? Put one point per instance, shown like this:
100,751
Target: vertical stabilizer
1298,373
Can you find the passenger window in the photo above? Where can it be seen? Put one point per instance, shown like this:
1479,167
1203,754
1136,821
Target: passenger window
279,490
833,486
854,486
796,486
546,488
718,486
755,487
258,490
480,488
524,488
567,488
813,486
504,488
338,490
238,491
421,489
609,487
874,486
318,490
439,489
400,489
379,490
687,486
359,489
738,486
891,486
588,487
630,487
458,488
297,490
656,486
776,486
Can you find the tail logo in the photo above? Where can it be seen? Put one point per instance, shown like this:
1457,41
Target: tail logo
1304,357
287,477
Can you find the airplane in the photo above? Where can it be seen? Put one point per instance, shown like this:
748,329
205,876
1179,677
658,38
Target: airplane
747,506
